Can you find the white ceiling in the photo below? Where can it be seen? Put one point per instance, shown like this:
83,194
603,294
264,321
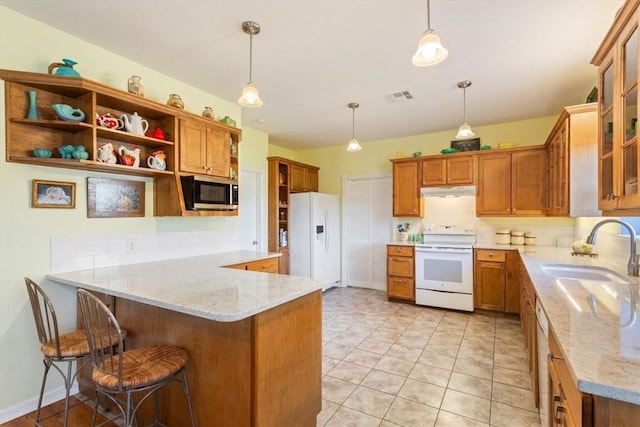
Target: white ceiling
526,58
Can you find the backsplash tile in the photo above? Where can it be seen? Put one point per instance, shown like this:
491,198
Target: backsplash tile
85,252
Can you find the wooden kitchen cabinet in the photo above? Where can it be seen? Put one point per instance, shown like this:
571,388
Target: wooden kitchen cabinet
511,183
205,150
401,272
495,284
530,327
618,154
267,265
572,158
459,169
406,190
281,174
303,178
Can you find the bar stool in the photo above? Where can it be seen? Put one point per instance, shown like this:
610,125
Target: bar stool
145,369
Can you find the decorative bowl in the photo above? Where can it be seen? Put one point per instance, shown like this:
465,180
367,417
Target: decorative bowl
68,113
42,153
448,150
485,147
417,154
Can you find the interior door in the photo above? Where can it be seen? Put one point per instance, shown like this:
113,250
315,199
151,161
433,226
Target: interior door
367,228
251,210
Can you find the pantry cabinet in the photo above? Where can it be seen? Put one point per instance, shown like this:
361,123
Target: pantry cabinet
401,272
511,183
205,150
618,154
459,169
406,191
572,158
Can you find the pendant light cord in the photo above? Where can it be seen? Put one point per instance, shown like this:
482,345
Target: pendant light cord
250,57
428,14
464,104
353,123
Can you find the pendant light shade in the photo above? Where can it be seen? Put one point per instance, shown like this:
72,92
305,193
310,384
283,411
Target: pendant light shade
430,50
250,96
354,145
464,131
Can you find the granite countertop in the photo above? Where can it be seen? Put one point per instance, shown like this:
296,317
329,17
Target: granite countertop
603,349
198,285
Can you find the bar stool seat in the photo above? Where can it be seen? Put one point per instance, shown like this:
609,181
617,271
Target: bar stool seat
73,344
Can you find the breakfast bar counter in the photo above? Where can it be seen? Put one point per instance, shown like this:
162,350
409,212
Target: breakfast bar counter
254,339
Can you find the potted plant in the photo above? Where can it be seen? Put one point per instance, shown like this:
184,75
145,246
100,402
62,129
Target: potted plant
403,229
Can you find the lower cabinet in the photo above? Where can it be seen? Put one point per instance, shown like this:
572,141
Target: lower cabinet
268,265
400,272
495,284
530,328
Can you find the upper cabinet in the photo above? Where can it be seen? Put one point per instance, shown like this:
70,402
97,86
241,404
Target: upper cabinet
511,183
303,178
453,170
617,61
205,150
406,191
572,188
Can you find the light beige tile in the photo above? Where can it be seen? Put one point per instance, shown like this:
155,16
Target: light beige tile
478,355
437,359
467,405
394,366
471,385
369,401
477,342
336,390
335,350
514,396
448,349
408,413
328,409
364,358
346,338
428,394
511,362
352,418
412,341
512,377
348,371
473,368
430,374
386,423
507,416
360,330
447,419
386,336
328,363
375,346
405,353
383,381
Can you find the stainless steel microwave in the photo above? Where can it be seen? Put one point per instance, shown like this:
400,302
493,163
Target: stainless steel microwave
202,194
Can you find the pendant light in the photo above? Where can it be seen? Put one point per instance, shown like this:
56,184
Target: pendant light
430,50
354,145
464,131
250,96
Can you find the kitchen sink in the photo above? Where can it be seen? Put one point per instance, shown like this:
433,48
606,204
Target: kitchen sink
583,272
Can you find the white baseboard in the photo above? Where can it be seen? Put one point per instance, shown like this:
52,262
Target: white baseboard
30,405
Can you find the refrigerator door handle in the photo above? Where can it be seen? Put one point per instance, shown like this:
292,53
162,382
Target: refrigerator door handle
326,234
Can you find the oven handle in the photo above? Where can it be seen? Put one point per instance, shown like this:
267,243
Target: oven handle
444,251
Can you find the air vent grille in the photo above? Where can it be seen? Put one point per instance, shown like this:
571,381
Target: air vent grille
402,96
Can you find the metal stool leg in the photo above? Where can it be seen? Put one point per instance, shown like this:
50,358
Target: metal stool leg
47,366
185,386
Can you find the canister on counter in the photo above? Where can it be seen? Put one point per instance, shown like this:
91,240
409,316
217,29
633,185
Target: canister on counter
529,238
503,236
517,237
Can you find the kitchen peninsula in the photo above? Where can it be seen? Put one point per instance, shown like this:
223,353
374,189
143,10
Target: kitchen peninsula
254,339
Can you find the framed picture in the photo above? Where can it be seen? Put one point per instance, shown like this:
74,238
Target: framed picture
53,194
114,198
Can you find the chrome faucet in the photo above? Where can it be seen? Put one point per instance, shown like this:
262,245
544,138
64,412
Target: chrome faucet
633,267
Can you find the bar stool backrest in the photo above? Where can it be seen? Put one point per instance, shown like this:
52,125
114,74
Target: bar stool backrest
44,315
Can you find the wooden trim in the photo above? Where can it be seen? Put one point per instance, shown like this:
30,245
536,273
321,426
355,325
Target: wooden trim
620,21
293,162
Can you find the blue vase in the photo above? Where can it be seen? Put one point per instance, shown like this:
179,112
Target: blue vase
33,109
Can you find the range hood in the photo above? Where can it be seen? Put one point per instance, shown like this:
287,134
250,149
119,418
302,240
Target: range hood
452,191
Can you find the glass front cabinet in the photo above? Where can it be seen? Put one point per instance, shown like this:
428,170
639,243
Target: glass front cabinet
617,61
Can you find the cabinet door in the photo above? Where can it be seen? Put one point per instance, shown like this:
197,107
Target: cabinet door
193,147
460,170
558,172
434,172
512,285
296,178
528,182
401,288
406,197
218,152
311,180
489,285
494,184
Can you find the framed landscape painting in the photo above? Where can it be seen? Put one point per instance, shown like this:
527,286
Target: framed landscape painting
114,198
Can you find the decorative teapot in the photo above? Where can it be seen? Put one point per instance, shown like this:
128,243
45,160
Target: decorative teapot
129,157
135,124
156,160
108,121
106,154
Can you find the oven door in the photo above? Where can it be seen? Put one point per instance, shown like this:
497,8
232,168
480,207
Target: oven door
444,270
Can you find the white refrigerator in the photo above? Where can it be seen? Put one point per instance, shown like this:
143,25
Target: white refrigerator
314,237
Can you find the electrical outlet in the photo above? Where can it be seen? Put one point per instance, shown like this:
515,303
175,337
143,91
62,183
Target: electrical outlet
132,246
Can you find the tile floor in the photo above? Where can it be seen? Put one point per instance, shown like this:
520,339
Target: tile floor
391,364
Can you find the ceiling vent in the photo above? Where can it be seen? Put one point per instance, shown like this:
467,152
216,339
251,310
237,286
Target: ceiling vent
403,96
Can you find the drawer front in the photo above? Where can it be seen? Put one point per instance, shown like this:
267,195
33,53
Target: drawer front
269,265
400,251
490,255
400,288
400,266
